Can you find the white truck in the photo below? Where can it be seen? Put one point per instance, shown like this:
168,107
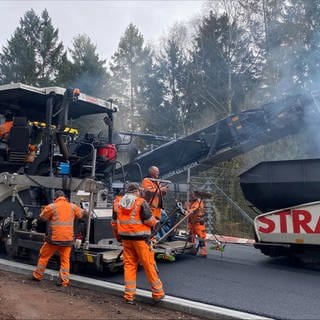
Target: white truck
288,194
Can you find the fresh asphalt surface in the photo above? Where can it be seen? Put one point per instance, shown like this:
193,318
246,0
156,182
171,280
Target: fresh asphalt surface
242,279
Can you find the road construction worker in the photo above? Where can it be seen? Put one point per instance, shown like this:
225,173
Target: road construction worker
133,224
154,192
196,222
60,216
6,126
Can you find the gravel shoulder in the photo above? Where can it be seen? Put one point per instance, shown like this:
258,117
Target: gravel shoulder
23,298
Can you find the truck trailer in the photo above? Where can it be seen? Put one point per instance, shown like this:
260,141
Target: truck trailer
286,193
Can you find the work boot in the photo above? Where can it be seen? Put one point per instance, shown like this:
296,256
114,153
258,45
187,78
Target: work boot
59,283
33,278
130,302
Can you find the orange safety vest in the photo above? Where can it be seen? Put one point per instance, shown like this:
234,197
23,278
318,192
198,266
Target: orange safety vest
197,209
153,196
60,216
5,128
129,221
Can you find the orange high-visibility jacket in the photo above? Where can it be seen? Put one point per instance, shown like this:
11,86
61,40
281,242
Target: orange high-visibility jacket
115,208
153,195
60,216
134,218
5,128
197,208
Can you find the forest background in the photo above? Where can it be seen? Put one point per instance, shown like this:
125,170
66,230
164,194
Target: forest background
238,56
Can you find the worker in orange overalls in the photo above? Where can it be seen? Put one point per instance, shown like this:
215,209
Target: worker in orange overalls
134,223
60,216
196,222
6,126
154,192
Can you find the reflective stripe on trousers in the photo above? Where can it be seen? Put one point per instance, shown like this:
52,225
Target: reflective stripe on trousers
135,251
46,252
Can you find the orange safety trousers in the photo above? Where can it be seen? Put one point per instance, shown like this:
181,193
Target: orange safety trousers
198,229
46,252
135,251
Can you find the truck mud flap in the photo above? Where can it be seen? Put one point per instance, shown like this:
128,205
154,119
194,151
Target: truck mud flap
274,249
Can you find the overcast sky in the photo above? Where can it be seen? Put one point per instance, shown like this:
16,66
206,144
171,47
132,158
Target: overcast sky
103,21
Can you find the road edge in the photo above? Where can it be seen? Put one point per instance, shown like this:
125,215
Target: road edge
169,302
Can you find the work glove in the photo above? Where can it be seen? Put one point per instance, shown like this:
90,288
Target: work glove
153,242
85,213
34,223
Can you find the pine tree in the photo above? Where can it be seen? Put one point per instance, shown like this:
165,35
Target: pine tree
289,43
166,91
221,72
33,55
50,51
18,60
86,70
128,67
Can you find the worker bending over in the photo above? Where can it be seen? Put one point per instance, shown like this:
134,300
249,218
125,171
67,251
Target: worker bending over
60,216
132,223
196,222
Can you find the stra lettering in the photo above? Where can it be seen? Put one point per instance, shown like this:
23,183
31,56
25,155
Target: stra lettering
301,222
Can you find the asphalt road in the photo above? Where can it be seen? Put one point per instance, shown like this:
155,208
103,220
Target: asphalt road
242,279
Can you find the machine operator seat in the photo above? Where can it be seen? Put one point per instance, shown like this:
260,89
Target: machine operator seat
19,140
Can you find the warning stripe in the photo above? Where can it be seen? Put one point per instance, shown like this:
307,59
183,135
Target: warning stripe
228,239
